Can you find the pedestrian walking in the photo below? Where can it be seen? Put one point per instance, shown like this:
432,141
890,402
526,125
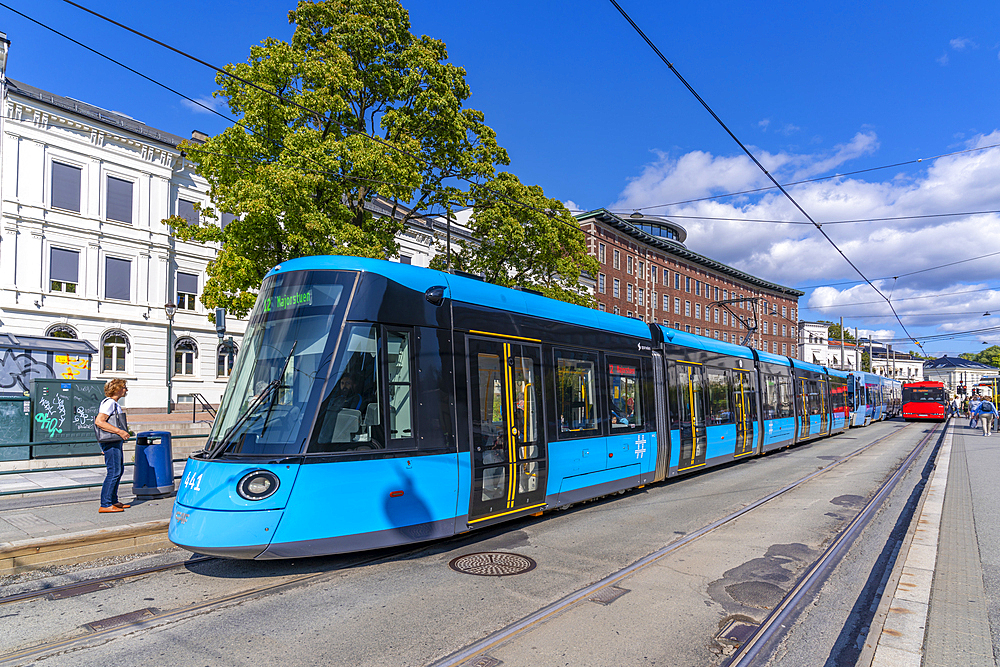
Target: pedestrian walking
111,429
974,403
955,407
987,413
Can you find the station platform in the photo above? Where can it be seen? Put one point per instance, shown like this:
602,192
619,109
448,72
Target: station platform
935,609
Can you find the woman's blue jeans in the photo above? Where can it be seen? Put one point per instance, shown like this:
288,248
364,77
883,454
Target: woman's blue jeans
114,459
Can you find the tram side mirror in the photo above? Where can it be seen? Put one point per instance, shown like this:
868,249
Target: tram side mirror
435,295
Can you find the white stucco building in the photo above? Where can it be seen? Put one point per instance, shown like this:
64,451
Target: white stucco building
815,347
83,252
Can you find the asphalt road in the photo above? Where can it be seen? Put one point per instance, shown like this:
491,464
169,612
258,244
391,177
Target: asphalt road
412,609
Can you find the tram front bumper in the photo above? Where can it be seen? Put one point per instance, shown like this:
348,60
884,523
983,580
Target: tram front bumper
230,534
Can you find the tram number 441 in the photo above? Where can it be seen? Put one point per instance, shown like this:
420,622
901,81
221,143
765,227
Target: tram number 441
192,482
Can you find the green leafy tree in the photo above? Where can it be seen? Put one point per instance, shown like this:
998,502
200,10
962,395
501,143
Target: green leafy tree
299,170
990,356
834,333
524,239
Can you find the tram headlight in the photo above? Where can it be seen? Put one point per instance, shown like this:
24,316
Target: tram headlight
257,485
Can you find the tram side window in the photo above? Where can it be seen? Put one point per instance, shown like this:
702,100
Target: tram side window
575,392
349,416
625,395
812,391
400,385
769,397
719,411
785,397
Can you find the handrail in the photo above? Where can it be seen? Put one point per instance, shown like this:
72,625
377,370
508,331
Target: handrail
86,442
197,398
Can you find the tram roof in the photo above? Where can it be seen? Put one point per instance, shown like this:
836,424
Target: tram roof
773,358
678,337
472,291
805,365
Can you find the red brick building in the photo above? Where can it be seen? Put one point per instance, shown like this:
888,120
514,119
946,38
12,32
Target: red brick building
647,273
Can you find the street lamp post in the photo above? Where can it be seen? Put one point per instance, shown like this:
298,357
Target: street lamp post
170,308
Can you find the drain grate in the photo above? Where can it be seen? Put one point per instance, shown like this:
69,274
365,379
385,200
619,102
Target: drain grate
485,661
492,564
737,632
608,594
82,589
118,621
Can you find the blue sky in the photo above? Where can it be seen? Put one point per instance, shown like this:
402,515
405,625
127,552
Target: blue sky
588,112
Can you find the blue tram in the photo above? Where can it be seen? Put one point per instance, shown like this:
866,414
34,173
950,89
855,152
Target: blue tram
376,404
873,397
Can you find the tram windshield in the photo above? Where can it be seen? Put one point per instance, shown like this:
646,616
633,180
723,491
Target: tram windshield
282,363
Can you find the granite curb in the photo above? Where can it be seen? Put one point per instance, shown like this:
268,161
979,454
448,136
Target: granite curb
74,548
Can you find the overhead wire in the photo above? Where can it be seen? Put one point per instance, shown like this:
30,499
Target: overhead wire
754,158
420,159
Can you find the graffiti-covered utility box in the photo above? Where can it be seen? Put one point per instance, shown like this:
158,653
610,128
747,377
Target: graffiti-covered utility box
64,411
15,427
27,358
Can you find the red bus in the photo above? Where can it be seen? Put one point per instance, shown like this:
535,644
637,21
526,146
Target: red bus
924,400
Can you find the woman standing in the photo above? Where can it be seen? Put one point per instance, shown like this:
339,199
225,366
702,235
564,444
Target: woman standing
111,419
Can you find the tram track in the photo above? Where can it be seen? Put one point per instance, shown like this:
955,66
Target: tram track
770,629
156,618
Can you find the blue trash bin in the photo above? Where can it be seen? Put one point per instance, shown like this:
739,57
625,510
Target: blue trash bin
153,474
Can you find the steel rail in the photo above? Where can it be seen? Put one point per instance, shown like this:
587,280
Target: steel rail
49,648
477,649
777,623
66,588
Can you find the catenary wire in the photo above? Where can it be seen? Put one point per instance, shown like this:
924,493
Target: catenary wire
834,222
272,93
754,158
419,159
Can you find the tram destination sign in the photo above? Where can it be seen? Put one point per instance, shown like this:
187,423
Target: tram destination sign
287,301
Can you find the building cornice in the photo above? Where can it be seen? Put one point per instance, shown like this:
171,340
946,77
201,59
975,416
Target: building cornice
605,217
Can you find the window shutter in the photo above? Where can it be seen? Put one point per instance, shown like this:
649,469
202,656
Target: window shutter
64,265
117,278
187,283
119,200
66,186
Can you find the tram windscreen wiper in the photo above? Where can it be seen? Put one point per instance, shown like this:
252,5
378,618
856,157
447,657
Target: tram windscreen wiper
268,391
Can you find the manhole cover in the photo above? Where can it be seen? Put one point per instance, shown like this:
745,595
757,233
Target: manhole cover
492,564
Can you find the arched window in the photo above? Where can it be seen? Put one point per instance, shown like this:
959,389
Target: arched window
115,346
185,352
225,357
61,331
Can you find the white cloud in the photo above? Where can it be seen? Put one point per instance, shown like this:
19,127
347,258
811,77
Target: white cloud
962,43
572,205
943,60
213,104
798,254
763,124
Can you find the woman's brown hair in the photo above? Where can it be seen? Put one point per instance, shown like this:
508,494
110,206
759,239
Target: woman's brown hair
112,387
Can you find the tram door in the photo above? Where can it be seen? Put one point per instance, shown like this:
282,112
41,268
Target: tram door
824,406
804,408
743,406
689,415
508,449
